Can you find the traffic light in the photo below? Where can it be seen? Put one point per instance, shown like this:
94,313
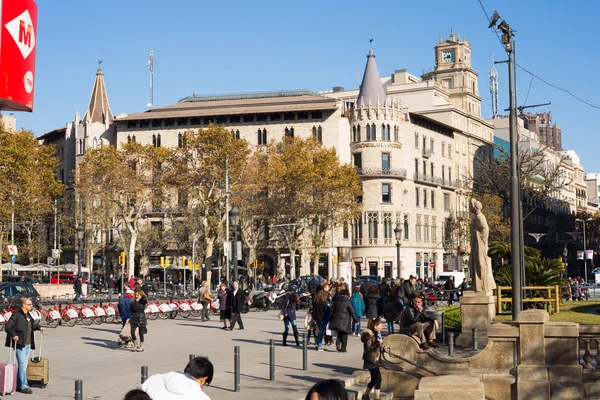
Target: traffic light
184,260
162,261
189,265
122,258
167,263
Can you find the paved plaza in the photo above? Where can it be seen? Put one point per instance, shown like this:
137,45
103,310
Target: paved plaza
91,354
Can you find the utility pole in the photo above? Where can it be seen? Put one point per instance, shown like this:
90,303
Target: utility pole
515,187
227,221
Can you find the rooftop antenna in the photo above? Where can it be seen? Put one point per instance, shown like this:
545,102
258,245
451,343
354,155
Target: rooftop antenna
494,89
151,69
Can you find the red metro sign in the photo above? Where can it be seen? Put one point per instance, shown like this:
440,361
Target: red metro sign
18,35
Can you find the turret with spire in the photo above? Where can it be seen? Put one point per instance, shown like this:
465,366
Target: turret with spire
371,92
98,109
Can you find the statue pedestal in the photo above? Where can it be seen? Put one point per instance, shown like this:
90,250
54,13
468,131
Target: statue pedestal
478,310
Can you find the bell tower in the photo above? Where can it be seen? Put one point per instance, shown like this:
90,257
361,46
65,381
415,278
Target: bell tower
454,72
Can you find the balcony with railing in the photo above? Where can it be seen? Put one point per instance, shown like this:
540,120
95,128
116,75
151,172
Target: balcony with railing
427,152
392,172
438,181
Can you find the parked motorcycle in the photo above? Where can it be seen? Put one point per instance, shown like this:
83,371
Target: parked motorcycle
260,301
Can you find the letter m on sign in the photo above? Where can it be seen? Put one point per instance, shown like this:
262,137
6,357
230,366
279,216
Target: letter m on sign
25,32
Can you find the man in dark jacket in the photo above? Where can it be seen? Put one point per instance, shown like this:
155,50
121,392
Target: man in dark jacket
77,286
237,299
313,286
19,333
364,288
407,291
450,287
384,292
416,323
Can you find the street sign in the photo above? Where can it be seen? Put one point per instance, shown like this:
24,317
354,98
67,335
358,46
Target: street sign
13,259
12,250
55,253
227,249
431,264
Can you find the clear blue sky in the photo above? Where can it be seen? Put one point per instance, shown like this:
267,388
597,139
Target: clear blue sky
241,46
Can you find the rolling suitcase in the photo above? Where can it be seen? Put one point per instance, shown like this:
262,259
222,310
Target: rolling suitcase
8,373
38,367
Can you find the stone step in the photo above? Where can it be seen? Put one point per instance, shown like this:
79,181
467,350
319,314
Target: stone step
355,392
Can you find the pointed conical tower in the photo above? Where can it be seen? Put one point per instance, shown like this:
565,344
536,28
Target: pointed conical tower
375,122
98,109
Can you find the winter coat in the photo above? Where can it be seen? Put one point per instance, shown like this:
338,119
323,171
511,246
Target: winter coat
341,313
138,312
320,311
125,306
371,300
358,304
384,290
173,386
289,309
391,310
370,349
407,292
224,300
411,316
17,326
237,300
313,286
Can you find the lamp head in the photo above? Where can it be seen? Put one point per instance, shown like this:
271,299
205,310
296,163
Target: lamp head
398,232
234,216
80,232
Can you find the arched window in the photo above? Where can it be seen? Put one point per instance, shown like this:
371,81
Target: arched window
319,135
373,132
128,138
133,138
158,140
314,132
154,139
383,137
180,140
387,132
406,227
289,132
369,132
354,134
358,133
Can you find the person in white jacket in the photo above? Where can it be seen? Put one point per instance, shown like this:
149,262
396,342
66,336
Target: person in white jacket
181,385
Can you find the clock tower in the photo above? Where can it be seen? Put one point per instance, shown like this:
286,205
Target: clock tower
453,71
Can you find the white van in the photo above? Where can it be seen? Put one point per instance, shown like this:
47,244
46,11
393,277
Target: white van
444,276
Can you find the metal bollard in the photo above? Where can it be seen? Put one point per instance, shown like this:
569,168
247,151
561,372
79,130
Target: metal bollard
475,339
304,353
236,368
271,360
144,373
78,390
192,356
450,343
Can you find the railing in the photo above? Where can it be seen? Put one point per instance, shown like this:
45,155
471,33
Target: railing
382,171
589,337
551,298
427,152
357,241
439,181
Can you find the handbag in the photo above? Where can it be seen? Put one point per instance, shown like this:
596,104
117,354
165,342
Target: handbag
281,315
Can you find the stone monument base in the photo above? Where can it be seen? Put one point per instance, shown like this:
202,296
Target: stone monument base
450,387
477,310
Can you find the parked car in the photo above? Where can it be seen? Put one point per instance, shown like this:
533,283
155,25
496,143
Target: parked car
19,278
373,279
64,279
11,293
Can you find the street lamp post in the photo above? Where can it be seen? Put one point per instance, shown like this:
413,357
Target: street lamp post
398,234
234,219
584,248
565,254
80,235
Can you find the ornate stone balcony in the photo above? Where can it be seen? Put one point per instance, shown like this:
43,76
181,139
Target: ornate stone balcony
393,172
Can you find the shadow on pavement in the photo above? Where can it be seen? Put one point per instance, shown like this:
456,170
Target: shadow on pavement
284,366
201,326
102,330
249,376
337,368
111,344
306,378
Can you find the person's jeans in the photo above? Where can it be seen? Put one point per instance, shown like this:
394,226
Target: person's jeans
390,326
205,309
321,326
356,326
287,323
77,295
124,321
22,361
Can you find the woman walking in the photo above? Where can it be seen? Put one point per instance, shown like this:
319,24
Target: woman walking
224,305
371,338
320,312
340,321
138,319
288,308
359,310
371,300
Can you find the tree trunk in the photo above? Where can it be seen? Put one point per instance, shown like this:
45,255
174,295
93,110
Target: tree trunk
208,251
131,255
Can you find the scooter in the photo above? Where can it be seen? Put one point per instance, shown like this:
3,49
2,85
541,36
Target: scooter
260,301
275,298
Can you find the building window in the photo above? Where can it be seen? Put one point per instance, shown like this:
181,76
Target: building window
443,173
128,139
354,137
373,132
261,117
182,121
288,116
289,132
449,174
303,115
156,123
446,202
317,114
248,117
275,117
396,129
431,143
432,199
320,134
416,140
443,149
424,197
197,121
417,191
386,196
406,225
385,132
418,227
387,225
133,139
131,124
154,139
416,165
368,132
449,150
170,122
426,229
372,224
432,169
358,160
434,229
262,136
424,167
180,140
345,232
358,230
385,162
424,142
237,134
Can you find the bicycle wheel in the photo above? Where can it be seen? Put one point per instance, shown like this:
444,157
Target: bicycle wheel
195,313
98,320
185,314
163,315
52,323
109,319
71,322
172,315
87,321
152,315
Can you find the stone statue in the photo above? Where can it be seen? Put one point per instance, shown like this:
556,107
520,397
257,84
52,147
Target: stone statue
480,265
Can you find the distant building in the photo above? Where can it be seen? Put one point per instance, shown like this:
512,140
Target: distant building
9,121
549,134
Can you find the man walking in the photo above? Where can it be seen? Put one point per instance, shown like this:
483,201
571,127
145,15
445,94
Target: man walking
19,333
110,286
77,288
237,303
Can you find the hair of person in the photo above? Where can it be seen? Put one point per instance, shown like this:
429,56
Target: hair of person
140,292
418,297
373,322
293,298
137,394
330,389
373,289
235,283
356,289
395,290
321,296
200,367
344,292
25,300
